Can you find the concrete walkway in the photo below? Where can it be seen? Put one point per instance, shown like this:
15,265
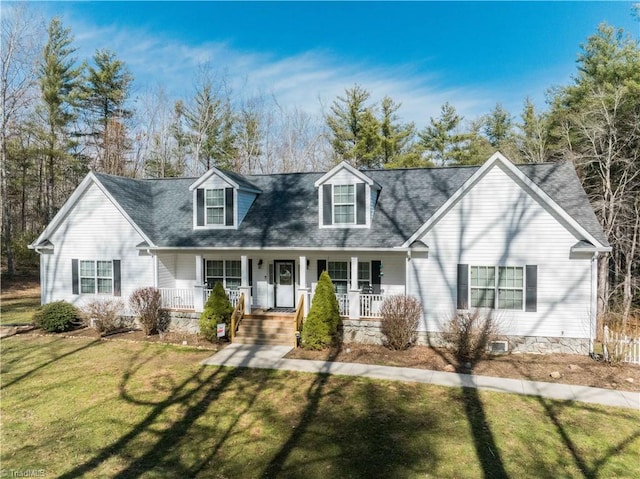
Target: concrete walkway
272,357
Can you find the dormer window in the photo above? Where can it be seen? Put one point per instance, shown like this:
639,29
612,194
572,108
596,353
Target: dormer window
344,204
346,198
214,204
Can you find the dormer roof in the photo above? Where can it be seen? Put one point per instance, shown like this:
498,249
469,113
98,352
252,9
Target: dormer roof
343,165
235,180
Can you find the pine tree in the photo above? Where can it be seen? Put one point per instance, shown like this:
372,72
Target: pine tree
395,137
59,81
441,140
354,129
104,98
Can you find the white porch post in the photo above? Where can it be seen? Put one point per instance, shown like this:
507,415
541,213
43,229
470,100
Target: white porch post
198,287
244,283
354,292
303,290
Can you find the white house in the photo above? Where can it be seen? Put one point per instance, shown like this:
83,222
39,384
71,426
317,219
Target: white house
520,241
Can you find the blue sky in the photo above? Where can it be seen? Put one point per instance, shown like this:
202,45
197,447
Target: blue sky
471,54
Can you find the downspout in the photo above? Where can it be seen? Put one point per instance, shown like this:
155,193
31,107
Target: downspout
594,299
407,265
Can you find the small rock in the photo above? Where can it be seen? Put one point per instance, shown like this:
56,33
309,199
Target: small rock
629,380
574,367
449,368
348,350
555,375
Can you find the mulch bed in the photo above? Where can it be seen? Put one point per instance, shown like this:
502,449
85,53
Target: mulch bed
573,369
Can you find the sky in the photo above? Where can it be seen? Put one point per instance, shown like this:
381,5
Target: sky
422,54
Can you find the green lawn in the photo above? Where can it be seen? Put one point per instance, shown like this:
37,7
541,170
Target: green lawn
18,309
83,408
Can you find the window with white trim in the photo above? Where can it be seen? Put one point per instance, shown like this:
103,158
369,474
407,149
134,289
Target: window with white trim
502,291
214,206
340,273
228,272
344,204
96,277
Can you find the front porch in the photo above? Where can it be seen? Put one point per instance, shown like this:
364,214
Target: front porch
184,300
276,280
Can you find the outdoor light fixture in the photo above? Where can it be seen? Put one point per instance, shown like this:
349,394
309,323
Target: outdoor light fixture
259,264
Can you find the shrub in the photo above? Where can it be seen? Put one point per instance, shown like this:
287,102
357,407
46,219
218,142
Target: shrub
103,314
469,334
146,304
321,325
217,309
399,325
57,317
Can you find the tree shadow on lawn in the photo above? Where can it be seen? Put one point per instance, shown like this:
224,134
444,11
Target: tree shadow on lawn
193,435
553,410
6,365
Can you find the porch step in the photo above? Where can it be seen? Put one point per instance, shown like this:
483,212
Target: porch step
266,329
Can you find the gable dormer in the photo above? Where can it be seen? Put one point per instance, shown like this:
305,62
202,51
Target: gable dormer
221,199
346,198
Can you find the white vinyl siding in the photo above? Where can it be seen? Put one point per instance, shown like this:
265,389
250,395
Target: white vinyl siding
497,222
94,229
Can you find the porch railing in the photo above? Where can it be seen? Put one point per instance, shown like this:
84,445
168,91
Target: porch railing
232,294
370,305
174,298
343,304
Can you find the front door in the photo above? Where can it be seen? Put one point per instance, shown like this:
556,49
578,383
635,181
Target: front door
285,281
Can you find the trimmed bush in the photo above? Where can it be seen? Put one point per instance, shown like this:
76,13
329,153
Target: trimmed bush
321,325
103,314
57,317
217,309
146,304
399,325
469,334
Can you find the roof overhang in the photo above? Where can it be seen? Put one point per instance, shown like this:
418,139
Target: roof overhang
587,247
215,171
343,165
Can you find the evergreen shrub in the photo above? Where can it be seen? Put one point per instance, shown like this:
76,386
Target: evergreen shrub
217,309
321,325
57,317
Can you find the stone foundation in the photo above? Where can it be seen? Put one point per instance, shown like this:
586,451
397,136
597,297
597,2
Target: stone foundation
368,332
184,322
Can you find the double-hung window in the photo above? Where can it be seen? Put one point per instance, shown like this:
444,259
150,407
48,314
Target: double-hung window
344,204
229,273
339,272
96,277
504,290
214,206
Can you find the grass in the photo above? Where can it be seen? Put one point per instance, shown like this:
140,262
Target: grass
18,308
18,301
84,408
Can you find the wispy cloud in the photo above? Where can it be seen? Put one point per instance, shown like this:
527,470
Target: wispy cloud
305,81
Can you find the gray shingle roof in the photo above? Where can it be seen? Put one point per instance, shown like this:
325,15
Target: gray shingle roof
285,214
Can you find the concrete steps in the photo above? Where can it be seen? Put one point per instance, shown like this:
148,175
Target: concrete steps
272,329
